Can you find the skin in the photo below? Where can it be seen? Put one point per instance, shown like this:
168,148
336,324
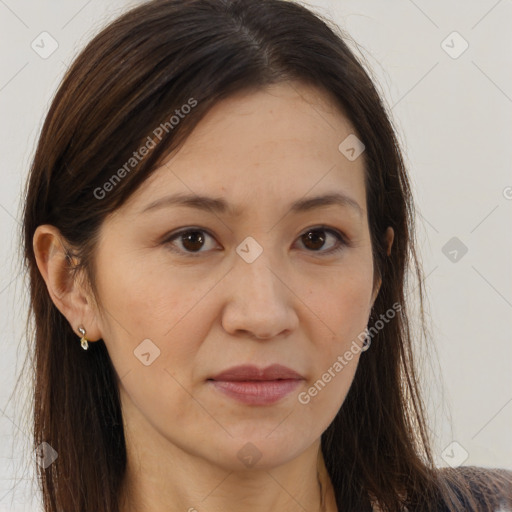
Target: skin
293,305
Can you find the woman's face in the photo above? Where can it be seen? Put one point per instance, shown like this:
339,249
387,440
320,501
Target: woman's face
271,284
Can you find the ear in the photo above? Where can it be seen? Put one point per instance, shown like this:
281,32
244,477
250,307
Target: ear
66,291
389,236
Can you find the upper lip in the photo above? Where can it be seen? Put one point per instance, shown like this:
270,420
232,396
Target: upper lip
250,372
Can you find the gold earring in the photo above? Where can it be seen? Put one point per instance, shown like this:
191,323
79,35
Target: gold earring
83,340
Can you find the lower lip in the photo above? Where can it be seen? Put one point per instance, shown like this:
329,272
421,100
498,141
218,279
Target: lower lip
260,392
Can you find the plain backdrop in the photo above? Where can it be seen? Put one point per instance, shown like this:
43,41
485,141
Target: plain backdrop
445,72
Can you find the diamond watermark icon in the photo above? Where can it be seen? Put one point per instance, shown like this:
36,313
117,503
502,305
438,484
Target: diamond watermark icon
454,454
351,147
454,45
249,249
44,45
454,249
45,455
249,455
146,352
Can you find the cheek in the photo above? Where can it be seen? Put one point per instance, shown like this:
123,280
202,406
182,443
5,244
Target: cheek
145,298
341,306
153,337
145,306
336,353
321,399
341,301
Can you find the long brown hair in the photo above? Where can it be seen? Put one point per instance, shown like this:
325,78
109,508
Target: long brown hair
129,81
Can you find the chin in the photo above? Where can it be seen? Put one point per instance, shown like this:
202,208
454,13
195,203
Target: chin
258,451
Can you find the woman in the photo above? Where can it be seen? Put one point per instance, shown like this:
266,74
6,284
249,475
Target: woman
217,227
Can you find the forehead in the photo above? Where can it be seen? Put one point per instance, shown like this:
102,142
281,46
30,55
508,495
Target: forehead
262,146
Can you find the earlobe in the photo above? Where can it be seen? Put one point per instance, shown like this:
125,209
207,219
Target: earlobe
64,289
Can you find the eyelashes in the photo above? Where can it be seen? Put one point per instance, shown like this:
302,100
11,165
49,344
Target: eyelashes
194,239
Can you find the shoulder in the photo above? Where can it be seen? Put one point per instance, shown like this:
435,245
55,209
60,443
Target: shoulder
478,489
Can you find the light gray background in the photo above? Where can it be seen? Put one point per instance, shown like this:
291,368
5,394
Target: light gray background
453,116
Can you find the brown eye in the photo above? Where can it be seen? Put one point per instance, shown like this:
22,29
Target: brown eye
314,239
192,240
189,242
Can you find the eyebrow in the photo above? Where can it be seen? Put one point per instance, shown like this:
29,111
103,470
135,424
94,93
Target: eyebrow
220,205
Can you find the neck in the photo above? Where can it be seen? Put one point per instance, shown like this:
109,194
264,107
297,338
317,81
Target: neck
164,482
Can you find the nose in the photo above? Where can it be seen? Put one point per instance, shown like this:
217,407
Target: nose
260,302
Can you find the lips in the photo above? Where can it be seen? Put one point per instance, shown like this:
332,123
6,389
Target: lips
254,386
253,373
